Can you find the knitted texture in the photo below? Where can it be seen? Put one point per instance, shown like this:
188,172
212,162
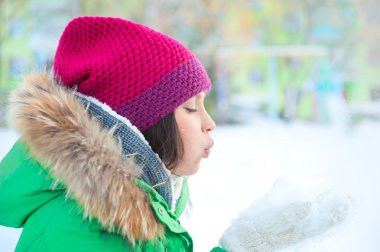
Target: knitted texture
272,223
141,74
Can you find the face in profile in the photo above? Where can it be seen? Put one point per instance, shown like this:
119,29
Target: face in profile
194,125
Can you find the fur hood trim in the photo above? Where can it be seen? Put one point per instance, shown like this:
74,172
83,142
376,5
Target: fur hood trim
83,156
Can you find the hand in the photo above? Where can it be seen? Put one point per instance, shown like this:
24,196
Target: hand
285,217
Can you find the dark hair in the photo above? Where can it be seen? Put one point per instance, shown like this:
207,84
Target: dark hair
165,140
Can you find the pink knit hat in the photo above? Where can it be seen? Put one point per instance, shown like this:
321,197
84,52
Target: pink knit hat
140,73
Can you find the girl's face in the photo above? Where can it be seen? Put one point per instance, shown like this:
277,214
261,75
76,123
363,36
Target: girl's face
194,124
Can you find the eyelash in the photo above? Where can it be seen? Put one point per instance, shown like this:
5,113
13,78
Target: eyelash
191,110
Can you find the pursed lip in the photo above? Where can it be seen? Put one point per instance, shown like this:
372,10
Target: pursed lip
210,145
208,149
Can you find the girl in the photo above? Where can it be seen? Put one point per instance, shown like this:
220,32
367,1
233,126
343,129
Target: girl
107,141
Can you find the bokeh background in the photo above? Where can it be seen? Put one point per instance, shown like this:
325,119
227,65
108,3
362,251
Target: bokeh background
296,93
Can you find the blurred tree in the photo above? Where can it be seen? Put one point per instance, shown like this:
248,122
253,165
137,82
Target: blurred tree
117,8
364,61
9,14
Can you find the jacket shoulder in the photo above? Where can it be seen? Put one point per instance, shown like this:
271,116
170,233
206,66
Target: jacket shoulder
24,186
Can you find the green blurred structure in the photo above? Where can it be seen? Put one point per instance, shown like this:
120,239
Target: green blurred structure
285,60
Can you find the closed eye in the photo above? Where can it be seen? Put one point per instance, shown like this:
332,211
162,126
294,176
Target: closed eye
191,110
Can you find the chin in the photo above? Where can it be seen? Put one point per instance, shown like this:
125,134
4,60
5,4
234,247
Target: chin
193,172
189,170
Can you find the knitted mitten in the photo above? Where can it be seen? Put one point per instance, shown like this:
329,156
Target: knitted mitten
279,221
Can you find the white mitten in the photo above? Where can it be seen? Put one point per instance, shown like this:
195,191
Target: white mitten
288,215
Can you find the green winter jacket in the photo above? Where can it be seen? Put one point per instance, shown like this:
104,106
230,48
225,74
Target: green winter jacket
53,223
71,188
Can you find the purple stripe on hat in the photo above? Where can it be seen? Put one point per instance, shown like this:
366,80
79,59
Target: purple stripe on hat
185,81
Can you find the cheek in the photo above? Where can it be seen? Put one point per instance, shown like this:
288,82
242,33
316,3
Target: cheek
192,151
190,147
192,155
187,141
190,137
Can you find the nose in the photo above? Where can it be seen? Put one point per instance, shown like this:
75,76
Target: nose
208,122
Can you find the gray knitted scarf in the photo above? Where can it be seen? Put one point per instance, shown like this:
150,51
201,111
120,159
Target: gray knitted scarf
133,143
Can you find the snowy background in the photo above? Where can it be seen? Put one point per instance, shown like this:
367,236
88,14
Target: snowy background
245,162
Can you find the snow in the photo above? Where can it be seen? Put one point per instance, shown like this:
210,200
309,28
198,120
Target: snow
247,159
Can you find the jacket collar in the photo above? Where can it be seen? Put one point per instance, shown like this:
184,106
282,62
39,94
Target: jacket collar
134,145
94,153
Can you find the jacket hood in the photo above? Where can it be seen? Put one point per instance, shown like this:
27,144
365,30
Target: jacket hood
84,156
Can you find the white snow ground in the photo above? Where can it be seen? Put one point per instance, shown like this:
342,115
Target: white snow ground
246,160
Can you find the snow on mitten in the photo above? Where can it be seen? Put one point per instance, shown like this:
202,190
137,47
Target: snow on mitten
284,218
